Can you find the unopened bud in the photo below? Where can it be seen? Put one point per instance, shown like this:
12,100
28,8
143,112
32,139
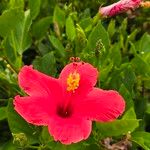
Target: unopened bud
19,139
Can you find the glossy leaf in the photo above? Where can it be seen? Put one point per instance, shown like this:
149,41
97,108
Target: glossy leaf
59,16
70,29
130,114
34,6
142,139
144,43
111,28
116,128
3,113
57,45
46,64
97,33
7,22
127,96
40,28
140,66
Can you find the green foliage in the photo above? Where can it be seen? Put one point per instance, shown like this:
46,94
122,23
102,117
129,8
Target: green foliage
57,45
34,6
42,24
116,128
46,34
98,33
70,29
3,113
142,138
59,16
7,22
18,38
46,64
119,127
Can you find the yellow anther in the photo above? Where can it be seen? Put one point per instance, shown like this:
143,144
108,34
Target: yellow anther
73,81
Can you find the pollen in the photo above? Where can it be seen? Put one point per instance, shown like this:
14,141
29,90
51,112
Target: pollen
73,81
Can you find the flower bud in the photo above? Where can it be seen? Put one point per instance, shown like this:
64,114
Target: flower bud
119,7
19,139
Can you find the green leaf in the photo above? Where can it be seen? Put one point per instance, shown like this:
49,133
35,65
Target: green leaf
140,105
8,146
43,48
86,24
18,125
7,88
11,54
3,113
127,96
45,136
115,54
141,138
40,27
133,49
115,80
146,57
130,114
8,21
98,33
145,43
70,29
133,34
46,64
123,27
59,16
129,77
105,70
81,40
140,66
116,128
111,28
148,109
16,4
77,146
20,37
58,45
34,6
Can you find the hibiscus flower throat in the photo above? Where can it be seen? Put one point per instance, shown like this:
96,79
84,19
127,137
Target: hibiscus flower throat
72,84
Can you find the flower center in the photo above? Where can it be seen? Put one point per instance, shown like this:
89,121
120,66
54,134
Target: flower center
64,113
73,81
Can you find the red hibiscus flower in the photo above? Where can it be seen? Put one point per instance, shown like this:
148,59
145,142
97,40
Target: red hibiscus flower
69,104
119,7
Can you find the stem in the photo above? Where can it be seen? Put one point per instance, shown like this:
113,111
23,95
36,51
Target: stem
10,66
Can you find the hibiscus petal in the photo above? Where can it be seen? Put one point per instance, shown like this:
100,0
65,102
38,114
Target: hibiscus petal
101,105
88,76
36,83
69,130
35,110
